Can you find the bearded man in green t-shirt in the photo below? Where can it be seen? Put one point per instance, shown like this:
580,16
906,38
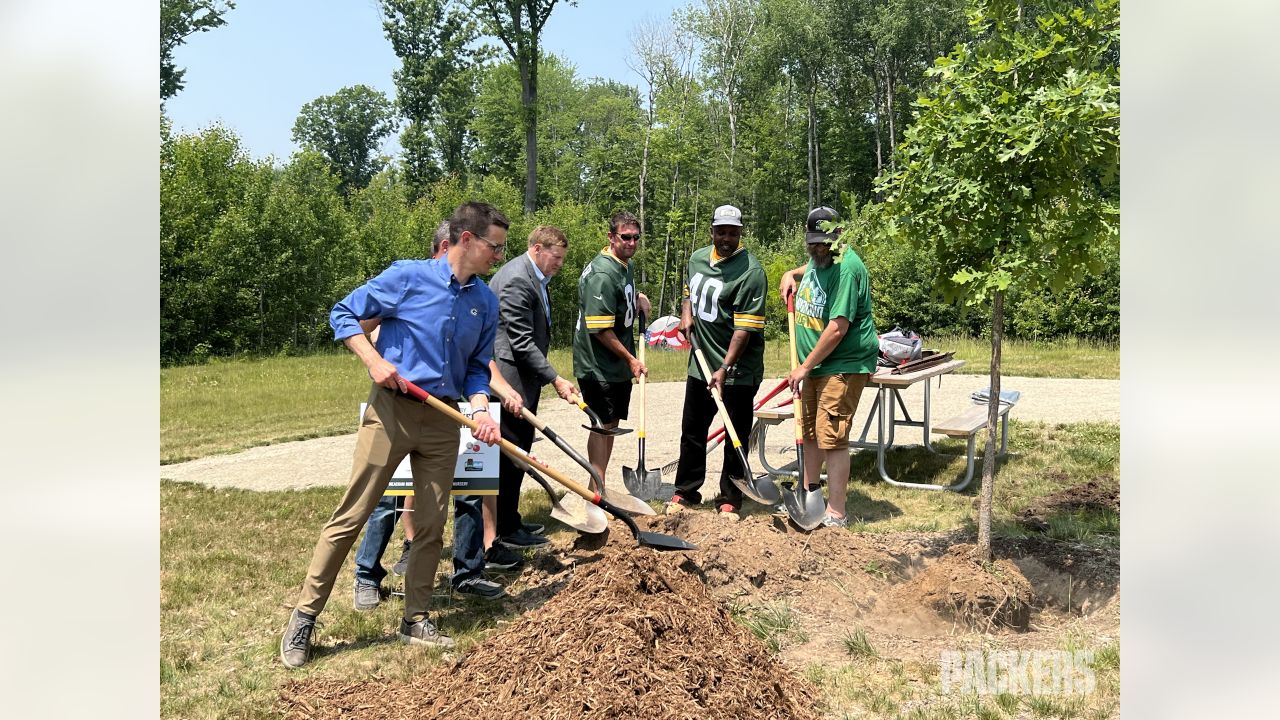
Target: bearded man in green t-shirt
837,346
724,308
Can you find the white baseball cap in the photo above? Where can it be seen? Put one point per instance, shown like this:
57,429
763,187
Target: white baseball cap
726,215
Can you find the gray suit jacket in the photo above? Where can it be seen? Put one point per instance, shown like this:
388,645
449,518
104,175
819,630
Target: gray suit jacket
524,335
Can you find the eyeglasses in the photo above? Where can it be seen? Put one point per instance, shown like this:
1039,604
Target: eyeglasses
497,249
630,237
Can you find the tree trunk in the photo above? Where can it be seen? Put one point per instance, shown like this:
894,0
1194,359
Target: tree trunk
993,417
817,155
809,153
529,104
888,96
644,158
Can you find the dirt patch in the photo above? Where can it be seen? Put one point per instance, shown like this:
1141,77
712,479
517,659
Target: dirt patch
980,597
631,635
1100,493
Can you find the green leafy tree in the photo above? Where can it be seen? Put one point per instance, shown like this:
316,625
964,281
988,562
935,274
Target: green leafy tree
179,20
518,24
347,128
435,85
1011,167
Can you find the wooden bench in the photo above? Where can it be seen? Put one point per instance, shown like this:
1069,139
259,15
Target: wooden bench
968,423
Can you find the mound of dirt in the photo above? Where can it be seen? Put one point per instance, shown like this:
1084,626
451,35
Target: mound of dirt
631,635
1100,493
961,588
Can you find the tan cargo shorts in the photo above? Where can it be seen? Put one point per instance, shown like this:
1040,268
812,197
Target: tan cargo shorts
835,398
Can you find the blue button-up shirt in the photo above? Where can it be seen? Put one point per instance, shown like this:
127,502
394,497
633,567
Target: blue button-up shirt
437,332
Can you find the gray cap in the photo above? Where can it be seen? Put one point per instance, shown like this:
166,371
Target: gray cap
813,225
726,215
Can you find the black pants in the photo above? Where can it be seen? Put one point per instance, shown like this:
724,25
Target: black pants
510,477
699,410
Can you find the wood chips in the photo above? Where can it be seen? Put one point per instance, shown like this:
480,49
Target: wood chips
631,636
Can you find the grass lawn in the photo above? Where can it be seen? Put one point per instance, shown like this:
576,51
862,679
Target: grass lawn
231,561
224,406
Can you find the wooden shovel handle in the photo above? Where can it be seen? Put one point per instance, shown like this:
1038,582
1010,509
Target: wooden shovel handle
795,361
715,393
507,446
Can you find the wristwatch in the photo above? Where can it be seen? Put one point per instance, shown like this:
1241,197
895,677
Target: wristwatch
728,369
480,410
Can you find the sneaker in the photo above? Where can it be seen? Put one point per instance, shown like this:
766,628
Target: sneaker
402,565
423,633
500,558
295,644
728,511
367,596
534,528
519,540
480,588
830,520
675,504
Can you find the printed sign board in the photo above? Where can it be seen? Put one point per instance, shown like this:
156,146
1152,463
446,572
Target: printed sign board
476,472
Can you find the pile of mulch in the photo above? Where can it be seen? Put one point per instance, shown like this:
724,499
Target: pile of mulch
631,636
978,596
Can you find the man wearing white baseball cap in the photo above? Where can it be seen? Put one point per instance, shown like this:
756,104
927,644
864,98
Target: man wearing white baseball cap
724,309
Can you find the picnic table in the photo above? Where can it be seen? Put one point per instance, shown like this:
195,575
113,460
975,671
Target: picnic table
884,414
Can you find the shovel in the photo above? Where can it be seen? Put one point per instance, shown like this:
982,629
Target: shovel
627,502
596,426
761,489
805,508
648,539
593,520
644,484
717,437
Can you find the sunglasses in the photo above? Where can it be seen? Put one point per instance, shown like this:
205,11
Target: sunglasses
630,237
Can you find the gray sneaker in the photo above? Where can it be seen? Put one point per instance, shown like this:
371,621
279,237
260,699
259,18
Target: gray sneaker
423,633
368,597
295,644
830,520
480,588
402,565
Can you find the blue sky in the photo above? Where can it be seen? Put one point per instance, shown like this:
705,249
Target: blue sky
272,57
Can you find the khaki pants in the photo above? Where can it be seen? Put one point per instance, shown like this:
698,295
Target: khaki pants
394,426
829,404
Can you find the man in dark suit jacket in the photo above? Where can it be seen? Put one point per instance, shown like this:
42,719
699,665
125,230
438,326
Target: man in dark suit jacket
520,353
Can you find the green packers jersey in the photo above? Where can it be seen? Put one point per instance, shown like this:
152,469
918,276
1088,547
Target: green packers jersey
841,290
727,294
606,301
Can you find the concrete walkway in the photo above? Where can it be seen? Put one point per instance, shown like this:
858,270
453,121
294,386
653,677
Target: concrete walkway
327,461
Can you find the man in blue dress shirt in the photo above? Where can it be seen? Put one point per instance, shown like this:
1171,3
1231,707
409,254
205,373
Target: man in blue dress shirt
438,325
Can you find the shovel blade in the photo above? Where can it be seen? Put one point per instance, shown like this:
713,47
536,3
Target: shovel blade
627,502
761,489
644,484
805,508
588,519
607,432
659,541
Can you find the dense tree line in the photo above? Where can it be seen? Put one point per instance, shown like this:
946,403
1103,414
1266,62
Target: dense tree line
773,105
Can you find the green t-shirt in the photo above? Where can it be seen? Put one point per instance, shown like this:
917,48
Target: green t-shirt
606,301
727,295
841,290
